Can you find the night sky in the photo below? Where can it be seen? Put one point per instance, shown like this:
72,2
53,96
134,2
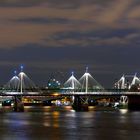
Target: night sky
55,37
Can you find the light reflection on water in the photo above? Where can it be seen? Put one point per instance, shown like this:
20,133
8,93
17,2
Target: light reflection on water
123,111
48,124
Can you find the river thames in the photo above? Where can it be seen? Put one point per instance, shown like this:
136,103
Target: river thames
66,124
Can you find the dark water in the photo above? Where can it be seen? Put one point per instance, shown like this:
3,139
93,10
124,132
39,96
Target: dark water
70,125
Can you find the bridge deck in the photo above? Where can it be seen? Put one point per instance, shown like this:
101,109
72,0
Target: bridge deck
100,93
68,93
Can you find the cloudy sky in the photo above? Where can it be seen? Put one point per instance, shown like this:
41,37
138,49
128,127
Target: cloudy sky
55,37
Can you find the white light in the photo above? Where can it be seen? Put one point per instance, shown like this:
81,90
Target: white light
123,111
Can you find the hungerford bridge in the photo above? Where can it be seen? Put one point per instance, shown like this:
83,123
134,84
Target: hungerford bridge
80,91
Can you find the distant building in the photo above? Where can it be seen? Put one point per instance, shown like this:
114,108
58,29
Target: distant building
53,83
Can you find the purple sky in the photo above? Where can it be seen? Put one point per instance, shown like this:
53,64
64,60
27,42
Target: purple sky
55,37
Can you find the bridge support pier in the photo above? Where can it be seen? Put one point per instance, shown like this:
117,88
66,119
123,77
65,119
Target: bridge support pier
134,102
79,104
123,101
18,105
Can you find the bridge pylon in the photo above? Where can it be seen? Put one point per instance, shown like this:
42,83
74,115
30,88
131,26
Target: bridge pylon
127,82
18,104
88,83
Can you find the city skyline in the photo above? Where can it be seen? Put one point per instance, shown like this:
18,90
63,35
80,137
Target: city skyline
57,37
63,78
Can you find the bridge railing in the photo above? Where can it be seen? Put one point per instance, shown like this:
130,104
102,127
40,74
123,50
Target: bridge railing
101,93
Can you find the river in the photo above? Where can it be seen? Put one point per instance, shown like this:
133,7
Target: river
66,124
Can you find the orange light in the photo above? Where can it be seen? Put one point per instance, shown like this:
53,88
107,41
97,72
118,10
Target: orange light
56,94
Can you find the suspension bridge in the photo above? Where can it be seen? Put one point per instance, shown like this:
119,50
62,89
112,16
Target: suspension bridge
21,86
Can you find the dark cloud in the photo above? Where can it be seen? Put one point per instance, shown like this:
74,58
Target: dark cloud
104,33
47,21
51,3
19,3
114,38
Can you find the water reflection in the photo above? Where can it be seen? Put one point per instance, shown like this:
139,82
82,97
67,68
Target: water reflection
123,111
13,125
69,125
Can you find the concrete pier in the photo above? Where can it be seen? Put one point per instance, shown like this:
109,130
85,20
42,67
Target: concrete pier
134,102
18,105
78,105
